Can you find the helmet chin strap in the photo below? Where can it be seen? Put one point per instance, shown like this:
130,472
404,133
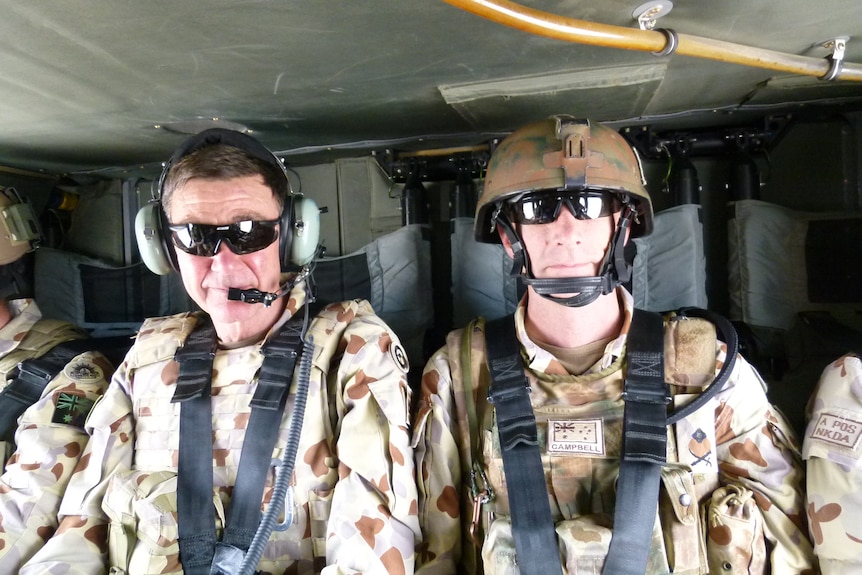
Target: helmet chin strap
614,269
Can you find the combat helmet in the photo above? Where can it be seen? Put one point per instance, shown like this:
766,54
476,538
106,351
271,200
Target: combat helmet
564,153
19,230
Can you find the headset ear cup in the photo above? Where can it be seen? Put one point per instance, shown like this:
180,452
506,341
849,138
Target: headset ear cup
285,232
151,242
306,231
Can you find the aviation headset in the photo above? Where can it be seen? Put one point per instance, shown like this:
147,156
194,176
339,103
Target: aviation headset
299,223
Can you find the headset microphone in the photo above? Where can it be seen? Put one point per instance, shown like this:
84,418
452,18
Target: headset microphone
254,296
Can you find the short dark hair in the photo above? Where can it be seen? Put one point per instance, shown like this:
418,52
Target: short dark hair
222,162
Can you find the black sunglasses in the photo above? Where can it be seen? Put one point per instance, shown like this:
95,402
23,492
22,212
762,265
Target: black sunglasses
544,207
243,237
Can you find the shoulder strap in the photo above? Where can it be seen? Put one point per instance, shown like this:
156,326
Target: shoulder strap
199,550
474,385
644,447
532,524
273,386
195,513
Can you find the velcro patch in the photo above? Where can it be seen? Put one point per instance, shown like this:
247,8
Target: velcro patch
582,437
72,410
837,431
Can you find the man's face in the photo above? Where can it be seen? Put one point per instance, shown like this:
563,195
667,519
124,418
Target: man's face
567,247
207,279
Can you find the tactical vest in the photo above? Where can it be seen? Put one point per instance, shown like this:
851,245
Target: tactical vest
580,449
41,337
141,503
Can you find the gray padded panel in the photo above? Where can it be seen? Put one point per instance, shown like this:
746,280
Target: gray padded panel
670,265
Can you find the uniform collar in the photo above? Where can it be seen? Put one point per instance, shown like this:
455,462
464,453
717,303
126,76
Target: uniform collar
541,361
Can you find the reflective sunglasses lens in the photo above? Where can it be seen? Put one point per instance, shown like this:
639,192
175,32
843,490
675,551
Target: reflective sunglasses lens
250,236
545,208
536,210
243,237
592,206
195,239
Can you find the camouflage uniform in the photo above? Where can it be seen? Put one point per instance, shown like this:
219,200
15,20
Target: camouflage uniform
738,458
833,452
353,488
50,435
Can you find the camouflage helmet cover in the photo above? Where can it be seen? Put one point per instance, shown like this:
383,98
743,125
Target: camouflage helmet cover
561,153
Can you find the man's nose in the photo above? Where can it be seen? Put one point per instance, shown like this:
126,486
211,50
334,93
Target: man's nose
224,256
568,213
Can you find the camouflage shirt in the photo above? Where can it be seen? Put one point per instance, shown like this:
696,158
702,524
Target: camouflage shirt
50,434
736,456
833,453
353,487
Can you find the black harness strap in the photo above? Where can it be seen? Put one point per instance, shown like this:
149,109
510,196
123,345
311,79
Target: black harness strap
532,525
644,447
195,512
273,387
199,549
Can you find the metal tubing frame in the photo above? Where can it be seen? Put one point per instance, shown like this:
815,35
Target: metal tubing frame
584,32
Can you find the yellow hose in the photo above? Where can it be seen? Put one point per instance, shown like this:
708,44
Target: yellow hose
584,32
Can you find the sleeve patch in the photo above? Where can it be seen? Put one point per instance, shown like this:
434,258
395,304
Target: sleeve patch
837,430
399,356
83,372
72,410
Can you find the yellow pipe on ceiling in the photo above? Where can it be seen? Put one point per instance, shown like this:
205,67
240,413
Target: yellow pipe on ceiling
591,33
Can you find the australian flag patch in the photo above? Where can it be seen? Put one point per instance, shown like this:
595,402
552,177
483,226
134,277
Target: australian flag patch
72,409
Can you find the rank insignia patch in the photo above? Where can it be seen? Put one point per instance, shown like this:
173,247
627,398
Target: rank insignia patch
72,409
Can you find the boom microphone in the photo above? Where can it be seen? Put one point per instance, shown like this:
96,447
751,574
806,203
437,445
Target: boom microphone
253,296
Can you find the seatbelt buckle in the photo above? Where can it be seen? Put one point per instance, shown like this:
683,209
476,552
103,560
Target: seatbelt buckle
227,559
644,393
27,387
501,394
283,347
34,371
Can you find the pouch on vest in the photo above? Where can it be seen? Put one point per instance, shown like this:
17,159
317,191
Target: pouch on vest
734,523
142,508
681,525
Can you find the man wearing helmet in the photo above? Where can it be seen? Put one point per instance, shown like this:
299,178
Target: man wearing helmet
503,485
47,386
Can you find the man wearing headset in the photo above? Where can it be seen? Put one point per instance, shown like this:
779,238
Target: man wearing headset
204,457
582,425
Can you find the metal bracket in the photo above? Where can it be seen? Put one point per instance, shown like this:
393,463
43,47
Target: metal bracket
646,14
836,59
